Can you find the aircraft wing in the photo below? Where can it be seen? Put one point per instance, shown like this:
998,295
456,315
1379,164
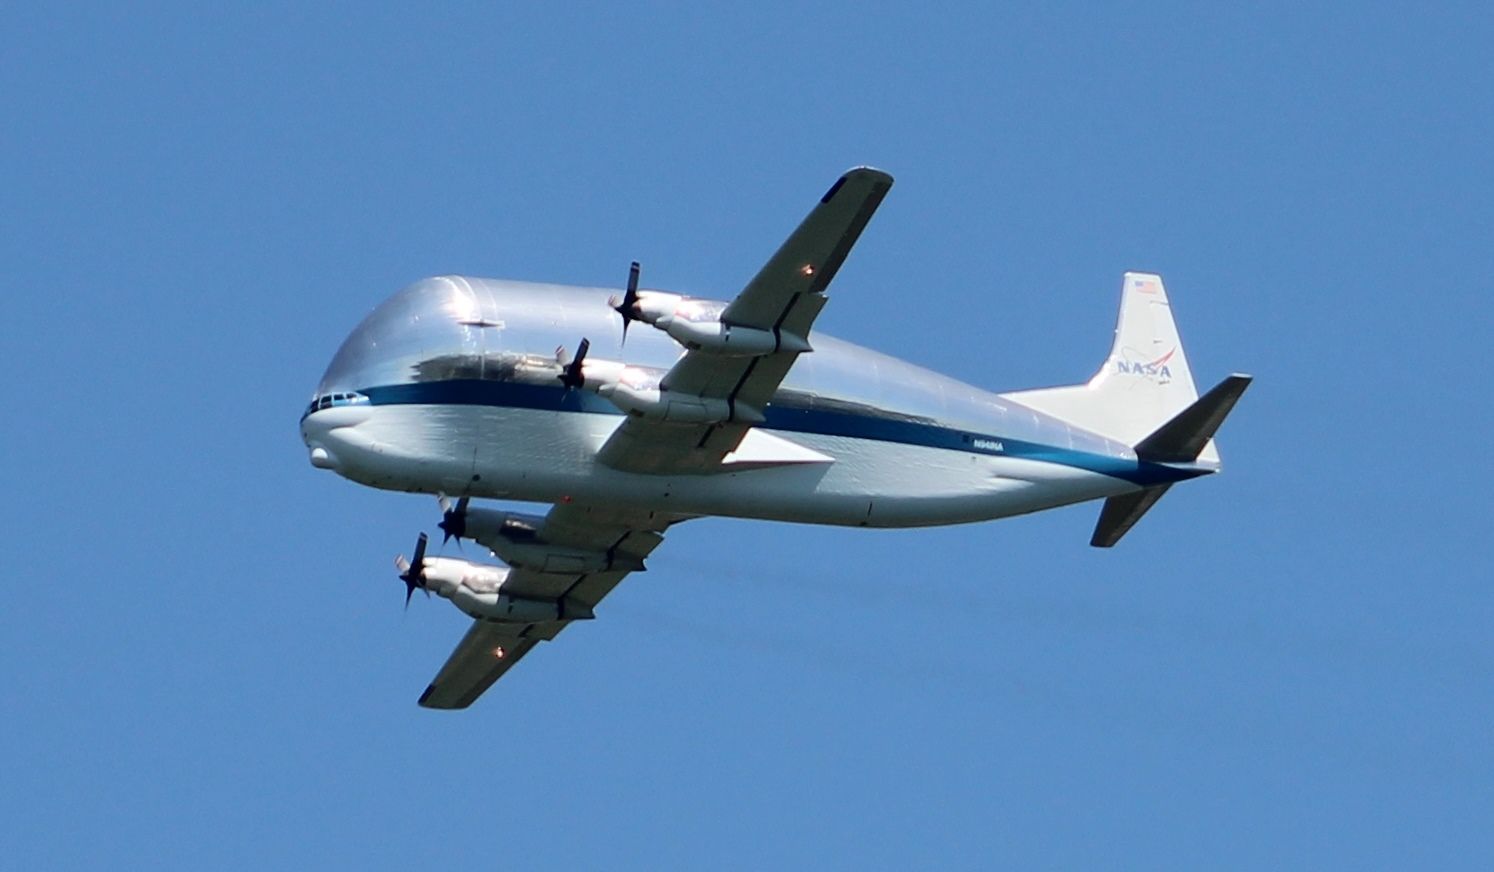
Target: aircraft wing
484,654
784,297
491,648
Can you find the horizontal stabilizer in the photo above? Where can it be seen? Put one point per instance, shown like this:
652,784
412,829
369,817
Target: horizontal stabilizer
1121,513
1183,438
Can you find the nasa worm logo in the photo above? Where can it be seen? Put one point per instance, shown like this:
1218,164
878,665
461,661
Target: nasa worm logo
1131,363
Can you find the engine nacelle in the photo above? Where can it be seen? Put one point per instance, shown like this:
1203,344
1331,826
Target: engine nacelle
513,536
697,325
660,405
653,305
718,338
477,589
601,372
540,557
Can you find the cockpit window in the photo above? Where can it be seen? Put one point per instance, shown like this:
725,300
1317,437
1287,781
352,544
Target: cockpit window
328,401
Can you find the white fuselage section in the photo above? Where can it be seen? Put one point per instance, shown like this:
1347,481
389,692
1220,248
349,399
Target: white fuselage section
547,456
451,386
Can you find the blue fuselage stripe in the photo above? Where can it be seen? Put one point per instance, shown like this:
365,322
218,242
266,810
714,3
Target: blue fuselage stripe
823,422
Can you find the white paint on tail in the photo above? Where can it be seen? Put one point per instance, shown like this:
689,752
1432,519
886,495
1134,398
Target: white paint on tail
1142,384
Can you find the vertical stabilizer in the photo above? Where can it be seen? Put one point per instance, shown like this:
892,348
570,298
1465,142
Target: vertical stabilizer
1144,382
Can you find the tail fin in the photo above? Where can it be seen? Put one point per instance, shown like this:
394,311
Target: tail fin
1144,382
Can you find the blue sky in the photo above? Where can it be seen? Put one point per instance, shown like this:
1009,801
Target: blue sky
1288,666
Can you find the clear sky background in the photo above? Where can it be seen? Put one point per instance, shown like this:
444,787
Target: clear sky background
203,660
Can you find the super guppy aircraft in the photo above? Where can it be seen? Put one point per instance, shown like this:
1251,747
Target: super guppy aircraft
455,385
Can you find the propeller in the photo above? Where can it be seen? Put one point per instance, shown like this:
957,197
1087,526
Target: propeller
412,573
453,520
628,308
571,374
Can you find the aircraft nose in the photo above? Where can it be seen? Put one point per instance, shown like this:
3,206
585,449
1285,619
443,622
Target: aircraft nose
332,436
315,433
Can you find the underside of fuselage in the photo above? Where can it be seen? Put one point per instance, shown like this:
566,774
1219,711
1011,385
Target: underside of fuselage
550,457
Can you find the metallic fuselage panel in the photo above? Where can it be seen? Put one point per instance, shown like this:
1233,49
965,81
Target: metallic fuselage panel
456,379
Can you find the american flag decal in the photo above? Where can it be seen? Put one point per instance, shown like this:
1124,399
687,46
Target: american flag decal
1144,286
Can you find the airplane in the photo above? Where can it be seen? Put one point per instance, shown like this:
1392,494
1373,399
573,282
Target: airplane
468,386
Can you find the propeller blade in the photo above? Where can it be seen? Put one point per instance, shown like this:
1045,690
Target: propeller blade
412,572
446,524
572,374
417,567
629,301
453,520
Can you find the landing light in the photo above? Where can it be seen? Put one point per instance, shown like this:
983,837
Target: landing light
807,269
499,652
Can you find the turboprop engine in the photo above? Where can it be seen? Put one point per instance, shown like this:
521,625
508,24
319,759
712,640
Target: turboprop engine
477,589
697,324
636,390
514,538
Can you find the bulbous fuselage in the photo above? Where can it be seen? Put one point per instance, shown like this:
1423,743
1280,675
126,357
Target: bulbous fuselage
453,385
